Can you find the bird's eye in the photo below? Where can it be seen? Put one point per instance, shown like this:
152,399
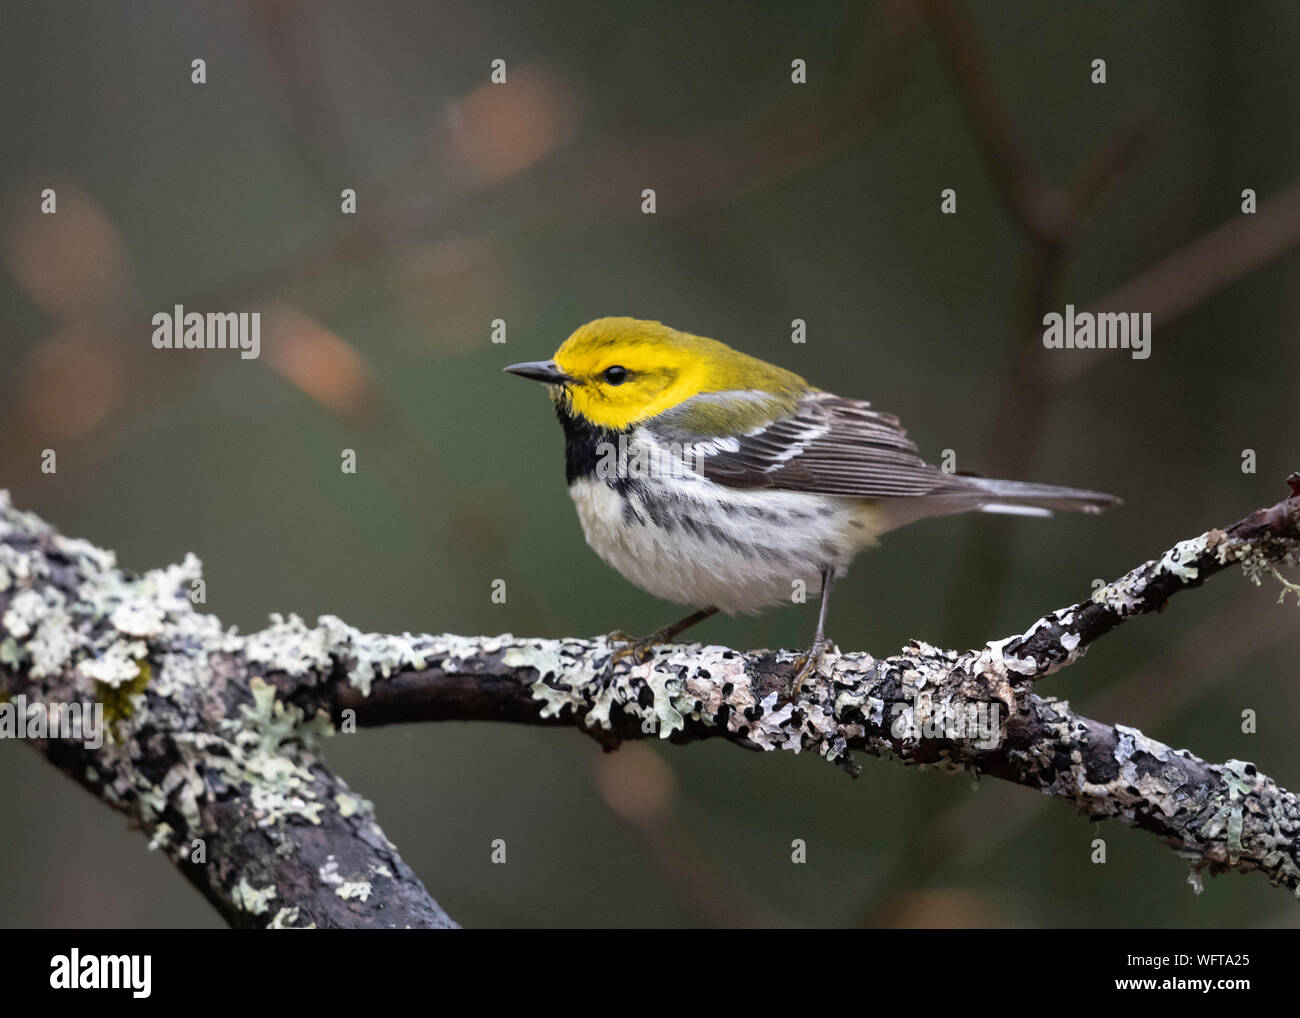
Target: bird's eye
615,375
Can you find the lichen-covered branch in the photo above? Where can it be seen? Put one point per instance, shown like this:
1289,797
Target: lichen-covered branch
213,734
975,710
196,745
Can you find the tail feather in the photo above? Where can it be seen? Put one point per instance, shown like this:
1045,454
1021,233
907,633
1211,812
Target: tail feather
1020,494
983,494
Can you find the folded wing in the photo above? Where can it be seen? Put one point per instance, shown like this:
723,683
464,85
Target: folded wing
835,446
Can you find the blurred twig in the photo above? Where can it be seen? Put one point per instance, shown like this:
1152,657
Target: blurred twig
1200,269
1050,219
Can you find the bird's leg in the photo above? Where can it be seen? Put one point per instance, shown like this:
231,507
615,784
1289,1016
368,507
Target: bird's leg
639,649
810,662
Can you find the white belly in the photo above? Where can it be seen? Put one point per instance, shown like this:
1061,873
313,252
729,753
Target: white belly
694,542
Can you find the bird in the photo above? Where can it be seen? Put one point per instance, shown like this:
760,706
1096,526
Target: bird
713,479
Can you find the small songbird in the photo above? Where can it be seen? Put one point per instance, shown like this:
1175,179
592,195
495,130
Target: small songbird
714,479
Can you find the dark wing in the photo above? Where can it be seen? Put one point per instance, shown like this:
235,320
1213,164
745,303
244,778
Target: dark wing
829,445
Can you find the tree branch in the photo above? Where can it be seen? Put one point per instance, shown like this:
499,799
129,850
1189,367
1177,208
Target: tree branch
214,734
220,773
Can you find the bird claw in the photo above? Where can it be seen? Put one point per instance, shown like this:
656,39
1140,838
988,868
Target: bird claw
637,648
810,662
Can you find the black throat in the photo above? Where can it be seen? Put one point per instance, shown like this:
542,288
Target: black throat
585,444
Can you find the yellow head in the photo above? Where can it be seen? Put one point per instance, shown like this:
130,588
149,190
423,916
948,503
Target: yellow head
617,372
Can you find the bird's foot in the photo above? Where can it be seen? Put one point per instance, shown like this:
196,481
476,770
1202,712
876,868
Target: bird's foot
810,663
638,648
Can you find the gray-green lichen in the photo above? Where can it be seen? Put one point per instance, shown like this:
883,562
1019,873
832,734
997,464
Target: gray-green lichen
252,899
349,889
191,730
294,648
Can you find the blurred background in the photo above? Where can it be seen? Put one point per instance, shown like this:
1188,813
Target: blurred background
775,201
